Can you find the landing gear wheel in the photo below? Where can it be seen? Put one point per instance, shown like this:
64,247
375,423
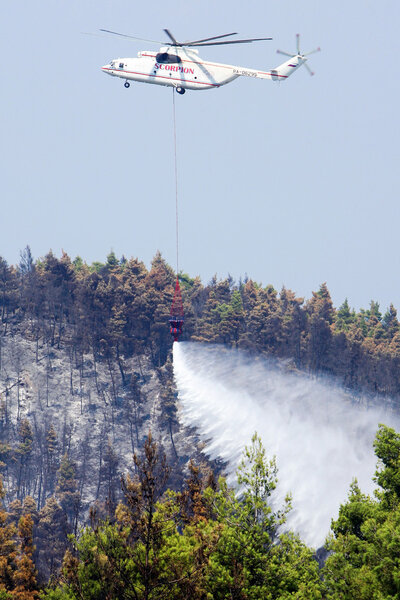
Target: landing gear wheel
127,84
180,90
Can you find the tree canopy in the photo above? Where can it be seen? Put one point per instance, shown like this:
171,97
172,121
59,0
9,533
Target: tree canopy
119,308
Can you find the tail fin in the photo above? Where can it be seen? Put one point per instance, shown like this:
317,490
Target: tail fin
287,68
295,61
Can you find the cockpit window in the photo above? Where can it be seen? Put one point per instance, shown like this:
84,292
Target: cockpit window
121,65
165,58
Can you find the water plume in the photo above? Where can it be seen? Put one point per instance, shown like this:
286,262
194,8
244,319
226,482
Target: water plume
321,436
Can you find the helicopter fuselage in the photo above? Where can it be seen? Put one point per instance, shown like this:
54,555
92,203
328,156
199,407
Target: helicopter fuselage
182,68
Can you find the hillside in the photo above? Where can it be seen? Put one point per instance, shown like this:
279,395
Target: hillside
119,309
86,373
65,413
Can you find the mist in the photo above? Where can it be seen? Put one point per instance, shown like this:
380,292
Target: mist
321,436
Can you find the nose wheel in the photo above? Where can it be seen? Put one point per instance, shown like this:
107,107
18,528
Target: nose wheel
127,84
180,90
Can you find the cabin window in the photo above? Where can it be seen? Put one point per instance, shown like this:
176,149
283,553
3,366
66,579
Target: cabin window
165,58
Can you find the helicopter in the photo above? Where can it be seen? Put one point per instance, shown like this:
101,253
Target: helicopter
178,64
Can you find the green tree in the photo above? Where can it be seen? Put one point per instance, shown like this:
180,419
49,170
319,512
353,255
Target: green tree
344,317
390,322
365,550
8,291
251,560
112,261
67,493
387,449
229,319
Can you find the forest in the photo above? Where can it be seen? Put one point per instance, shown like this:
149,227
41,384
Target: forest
206,542
119,308
169,526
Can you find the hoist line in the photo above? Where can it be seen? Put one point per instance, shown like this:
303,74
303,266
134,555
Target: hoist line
176,316
176,185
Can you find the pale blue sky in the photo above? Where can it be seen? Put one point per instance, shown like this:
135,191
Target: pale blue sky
294,183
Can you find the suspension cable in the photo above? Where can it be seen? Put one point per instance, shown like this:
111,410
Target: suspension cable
176,185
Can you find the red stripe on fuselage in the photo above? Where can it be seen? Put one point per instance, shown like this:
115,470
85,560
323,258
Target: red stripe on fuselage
163,77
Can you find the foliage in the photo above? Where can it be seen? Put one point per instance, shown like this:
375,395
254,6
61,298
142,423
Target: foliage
365,559
206,541
251,559
17,570
118,308
202,543
209,542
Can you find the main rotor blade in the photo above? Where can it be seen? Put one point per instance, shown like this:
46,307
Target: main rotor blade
312,52
284,53
100,35
298,42
308,69
231,42
171,37
217,37
132,37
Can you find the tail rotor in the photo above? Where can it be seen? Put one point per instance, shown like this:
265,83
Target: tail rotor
299,55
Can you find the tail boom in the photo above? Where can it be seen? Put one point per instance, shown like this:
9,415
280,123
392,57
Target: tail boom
287,68
280,73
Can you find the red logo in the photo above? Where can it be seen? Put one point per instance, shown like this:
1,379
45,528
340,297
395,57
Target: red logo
176,68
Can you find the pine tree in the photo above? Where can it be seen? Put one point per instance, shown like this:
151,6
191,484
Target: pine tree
23,455
390,322
344,317
66,492
141,496
25,573
110,476
51,539
8,550
319,338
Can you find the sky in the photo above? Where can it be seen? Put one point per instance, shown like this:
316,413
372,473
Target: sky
293,184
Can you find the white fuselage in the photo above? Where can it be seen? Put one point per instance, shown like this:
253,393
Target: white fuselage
182,67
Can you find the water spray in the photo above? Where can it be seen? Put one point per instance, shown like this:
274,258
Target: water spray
322,437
